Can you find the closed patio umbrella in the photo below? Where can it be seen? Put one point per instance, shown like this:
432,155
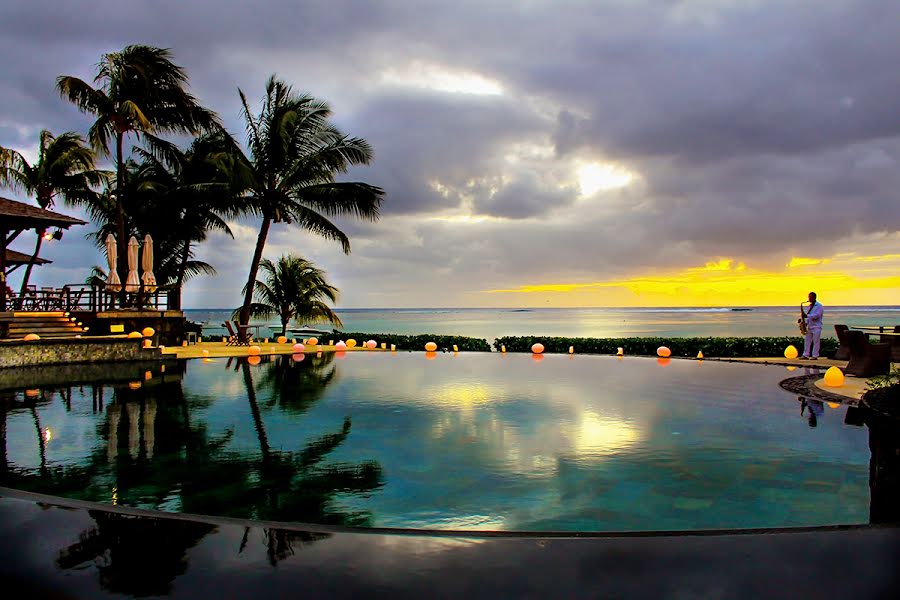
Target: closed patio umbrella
133,282
148,277
113,283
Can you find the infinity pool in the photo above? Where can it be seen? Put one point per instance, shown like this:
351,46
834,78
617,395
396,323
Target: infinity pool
469,441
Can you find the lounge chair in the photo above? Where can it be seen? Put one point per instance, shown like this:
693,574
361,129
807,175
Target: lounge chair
843,351
866,359
233,338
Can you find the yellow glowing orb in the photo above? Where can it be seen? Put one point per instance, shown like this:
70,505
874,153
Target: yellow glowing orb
430,347
834,377
663,352
791,352
537,349
148,332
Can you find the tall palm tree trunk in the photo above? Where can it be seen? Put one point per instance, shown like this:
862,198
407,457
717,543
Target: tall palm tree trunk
182,269
254,267
34,257
122,263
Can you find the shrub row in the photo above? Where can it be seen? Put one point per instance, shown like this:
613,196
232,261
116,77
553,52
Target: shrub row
723,347
414,342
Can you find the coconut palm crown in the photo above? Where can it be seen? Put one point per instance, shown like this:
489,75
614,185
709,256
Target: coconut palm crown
294,289
64,170
294,155
139,91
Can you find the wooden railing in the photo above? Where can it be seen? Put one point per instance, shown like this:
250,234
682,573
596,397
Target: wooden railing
81,297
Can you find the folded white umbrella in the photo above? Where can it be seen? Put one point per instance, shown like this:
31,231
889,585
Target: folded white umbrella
113,283
133,282
148,277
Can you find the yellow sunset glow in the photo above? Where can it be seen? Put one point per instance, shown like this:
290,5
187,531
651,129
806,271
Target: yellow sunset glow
842,280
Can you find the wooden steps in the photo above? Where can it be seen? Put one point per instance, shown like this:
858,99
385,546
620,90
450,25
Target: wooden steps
54,324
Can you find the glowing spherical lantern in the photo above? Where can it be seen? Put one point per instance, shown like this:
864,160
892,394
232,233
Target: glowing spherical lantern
340,346
282,339
537,348
371,344
298,348
32,337
430,355
430,347
834,377
134,385
314,341
254,350
135,334
700,355
663,352
791,352
298,357
148,332
351,343
254,360
620,351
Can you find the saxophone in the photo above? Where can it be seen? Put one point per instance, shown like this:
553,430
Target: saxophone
801,322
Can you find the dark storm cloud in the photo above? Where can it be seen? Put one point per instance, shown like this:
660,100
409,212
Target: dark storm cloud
754,128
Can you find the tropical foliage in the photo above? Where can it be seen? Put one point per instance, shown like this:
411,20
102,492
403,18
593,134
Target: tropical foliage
64,169
289,175
139,91
294,289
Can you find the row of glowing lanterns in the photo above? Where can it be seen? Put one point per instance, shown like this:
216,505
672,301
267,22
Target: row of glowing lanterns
834,377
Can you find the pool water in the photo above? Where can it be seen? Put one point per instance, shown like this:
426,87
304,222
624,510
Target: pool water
470,441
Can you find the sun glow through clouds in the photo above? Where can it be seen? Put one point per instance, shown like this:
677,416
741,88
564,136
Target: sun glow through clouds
600,177
442,79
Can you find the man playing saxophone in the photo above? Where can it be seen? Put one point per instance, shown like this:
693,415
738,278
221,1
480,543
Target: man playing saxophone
813,317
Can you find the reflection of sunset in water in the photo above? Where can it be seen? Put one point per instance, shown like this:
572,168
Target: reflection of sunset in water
598,435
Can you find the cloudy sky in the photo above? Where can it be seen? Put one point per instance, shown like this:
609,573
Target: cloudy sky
559,153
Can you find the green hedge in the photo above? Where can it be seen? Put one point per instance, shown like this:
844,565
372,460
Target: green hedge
723,347
414,342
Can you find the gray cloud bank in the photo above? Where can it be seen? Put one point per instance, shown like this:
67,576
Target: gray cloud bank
754,129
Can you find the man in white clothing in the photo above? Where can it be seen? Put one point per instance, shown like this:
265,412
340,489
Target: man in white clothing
813,328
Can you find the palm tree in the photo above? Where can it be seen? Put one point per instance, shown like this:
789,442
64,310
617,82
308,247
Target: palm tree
294,155
64,169
142,92
185,195
294,289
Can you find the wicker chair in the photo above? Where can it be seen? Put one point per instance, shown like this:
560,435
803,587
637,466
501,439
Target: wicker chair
866,359
843,351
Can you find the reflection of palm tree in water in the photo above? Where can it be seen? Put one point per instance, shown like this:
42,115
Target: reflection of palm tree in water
139,556
295,386
295,486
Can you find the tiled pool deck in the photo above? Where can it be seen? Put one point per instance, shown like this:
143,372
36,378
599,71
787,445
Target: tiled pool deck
58,548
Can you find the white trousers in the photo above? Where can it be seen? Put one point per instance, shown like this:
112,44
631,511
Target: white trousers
811,343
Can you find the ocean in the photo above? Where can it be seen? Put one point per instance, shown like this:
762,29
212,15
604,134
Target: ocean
491,323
